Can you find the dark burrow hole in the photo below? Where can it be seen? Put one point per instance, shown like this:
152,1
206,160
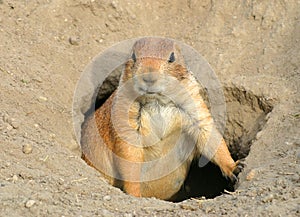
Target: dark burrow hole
246,116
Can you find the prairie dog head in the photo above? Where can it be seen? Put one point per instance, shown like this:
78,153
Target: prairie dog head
154,62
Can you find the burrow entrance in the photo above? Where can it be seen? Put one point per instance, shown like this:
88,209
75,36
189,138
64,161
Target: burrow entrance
246,116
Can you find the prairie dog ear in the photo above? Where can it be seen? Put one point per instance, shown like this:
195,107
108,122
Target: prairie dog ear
178,56
133,56
172,58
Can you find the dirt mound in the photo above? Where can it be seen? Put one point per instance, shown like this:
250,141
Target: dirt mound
45,46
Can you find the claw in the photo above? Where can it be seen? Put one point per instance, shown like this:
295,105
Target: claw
242,161
240,164
234,178
233,170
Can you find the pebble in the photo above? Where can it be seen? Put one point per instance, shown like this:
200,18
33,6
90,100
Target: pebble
42,98
128,215
268,198
113,4
250,175
15,178
5,118
29,203
14,123
9,127
38,79
74,40
107,198
27,148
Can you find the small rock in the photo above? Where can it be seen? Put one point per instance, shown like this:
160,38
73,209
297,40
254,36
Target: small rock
29,203
9,128
250,175
15,178
5,118
27,148
113,4
38,79
128,215
14,123
74,40
107,198
42,98
268,198
258,135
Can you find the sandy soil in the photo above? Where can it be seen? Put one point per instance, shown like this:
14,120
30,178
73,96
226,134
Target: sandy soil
252,46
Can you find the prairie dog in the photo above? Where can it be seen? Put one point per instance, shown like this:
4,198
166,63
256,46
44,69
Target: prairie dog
145,136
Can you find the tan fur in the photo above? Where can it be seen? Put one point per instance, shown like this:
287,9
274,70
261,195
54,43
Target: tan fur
166,110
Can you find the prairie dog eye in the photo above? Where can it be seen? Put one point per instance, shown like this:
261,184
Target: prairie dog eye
133,57
171,58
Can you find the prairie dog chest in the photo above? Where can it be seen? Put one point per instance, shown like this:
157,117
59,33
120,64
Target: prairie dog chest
160,128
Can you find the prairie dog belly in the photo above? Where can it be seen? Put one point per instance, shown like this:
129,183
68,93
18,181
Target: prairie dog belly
167,149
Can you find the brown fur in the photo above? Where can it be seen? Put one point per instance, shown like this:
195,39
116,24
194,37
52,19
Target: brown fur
181,116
